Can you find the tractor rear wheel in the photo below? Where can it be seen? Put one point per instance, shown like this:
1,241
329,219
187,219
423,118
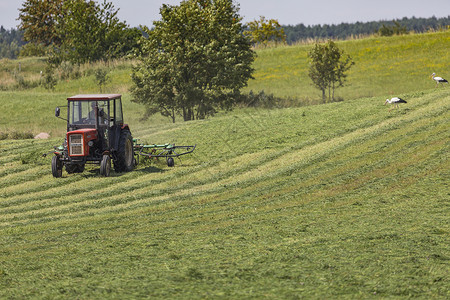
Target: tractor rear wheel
124,161
56,167
105,166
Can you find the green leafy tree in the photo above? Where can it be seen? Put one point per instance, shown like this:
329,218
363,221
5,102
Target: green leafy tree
396,29
49,81
328,67
91,32
10,42
194,61
39,21
319,68
78,31
32,49
101,77
263,31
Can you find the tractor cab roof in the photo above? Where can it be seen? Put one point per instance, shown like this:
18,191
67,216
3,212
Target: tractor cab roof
94,97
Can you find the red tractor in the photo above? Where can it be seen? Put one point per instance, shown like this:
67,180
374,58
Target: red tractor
96,134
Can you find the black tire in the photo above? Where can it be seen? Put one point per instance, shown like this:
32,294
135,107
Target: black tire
56,167
105,166
124,161
170,162
79,168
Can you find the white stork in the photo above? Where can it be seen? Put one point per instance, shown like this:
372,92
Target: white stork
395,101
438,79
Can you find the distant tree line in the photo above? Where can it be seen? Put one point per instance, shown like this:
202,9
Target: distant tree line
10,42
345,30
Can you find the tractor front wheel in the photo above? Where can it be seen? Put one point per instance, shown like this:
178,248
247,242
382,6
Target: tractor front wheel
56,167
105,166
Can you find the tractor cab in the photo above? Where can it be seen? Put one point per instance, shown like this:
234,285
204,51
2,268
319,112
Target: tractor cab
94,111
100,112
96,133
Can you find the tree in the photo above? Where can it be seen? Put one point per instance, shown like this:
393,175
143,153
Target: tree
263,31
328,65
90,32
78,31
39,21
81,33
397,29
194,61
49,78
10,42
101,77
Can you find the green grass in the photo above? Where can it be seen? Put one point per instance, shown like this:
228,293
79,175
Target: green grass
344,200
383,66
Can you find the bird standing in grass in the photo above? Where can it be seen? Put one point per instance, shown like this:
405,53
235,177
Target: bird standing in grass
438,79
395,101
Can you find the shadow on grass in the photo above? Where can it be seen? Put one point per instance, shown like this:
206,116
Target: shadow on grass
95,172
150,169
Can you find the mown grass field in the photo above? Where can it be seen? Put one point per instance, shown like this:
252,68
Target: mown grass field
340,200
343,200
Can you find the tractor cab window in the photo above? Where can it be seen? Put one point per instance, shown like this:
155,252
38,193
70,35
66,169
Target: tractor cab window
84,112
118,111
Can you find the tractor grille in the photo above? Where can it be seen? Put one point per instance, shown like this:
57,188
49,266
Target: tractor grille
76,144
75,139
76,150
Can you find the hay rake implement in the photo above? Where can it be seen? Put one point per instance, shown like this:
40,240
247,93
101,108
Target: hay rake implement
167,151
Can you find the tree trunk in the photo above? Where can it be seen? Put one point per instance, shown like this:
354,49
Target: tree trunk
329,93
173,115
188,114
185,117
333,91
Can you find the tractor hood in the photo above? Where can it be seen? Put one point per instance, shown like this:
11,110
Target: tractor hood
84,131
78,141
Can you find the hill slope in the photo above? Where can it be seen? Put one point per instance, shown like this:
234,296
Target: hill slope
339,200
383,66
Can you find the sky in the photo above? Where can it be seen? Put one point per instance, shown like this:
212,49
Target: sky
287,12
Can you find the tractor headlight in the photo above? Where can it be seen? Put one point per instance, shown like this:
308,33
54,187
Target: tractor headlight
91,143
